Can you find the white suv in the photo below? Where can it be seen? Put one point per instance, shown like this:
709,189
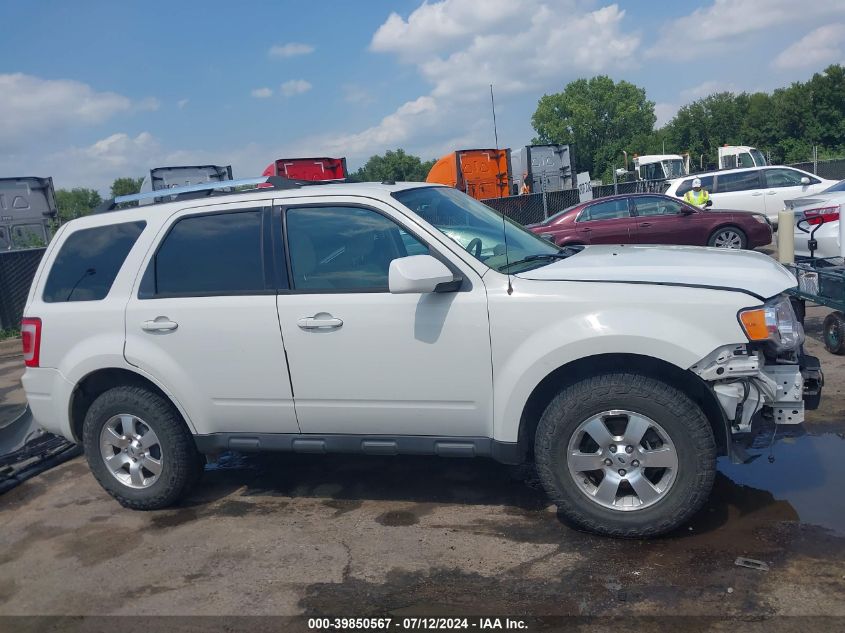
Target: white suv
758,189
342,318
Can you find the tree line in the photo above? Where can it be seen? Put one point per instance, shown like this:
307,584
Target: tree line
601,118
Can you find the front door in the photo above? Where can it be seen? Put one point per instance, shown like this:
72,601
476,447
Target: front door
363,360
660,220
203,321
606,222
783,184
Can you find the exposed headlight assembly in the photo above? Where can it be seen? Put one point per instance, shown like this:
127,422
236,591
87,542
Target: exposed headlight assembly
775,322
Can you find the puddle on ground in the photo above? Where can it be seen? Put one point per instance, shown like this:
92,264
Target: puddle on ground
807,473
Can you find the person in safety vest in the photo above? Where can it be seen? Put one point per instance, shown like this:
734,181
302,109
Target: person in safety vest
697,196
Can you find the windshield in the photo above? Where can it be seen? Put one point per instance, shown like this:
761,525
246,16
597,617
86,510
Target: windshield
759,159
674,168
839,186
476,227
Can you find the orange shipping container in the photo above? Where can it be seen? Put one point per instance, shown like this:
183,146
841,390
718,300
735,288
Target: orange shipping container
480,173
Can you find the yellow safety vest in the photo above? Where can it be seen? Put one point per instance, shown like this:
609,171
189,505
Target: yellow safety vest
697,199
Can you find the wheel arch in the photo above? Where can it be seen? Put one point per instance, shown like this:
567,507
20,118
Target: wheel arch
685,381
101,380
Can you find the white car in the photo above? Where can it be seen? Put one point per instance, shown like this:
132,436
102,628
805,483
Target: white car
296,320
759,189
818,216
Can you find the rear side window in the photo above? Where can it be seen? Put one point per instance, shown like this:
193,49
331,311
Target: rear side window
610,210
207,255
706,183
739,181
88,262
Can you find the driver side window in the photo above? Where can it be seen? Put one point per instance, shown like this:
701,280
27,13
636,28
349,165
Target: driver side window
345,249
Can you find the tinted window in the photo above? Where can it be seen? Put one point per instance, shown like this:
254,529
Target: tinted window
706,183
88,262
345,248
839,186
609,210
785,178
209,255
653,205
739,181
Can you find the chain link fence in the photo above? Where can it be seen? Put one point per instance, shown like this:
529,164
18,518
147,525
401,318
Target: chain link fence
833,169
534,208
17,270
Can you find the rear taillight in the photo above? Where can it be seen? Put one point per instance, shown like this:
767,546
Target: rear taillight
31,338
821,215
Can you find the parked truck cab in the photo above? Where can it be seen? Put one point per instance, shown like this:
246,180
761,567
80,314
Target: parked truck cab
27,212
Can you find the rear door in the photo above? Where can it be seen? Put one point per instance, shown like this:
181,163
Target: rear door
202,320
606,222
660,221
740,190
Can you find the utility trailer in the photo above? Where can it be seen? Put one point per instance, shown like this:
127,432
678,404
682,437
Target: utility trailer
27,212
547,168
821,281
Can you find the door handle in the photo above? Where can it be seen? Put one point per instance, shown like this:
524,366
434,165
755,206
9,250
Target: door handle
771,193
586,230
645,224
314,323
160,324
757,193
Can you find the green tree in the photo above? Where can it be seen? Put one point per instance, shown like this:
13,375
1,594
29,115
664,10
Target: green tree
76,202
598,117
126,186
393,165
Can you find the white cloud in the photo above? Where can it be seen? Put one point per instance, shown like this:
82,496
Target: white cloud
726,21
148,104
262,93
294,87
182,103
705,89
291,49
32,106
816,49
353,93
664,112
521,46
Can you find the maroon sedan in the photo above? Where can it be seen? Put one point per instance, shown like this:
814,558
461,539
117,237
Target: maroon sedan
650,218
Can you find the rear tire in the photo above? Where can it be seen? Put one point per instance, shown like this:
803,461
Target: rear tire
139,449
834,333
566,458
728,237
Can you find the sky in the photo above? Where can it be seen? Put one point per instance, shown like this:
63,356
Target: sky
94,90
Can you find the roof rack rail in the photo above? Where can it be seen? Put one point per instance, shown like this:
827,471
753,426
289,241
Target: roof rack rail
204,189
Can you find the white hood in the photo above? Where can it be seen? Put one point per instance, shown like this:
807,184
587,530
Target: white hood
750,271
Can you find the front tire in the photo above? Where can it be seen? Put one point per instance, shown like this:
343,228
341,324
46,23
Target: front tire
625,455
139,449
728,237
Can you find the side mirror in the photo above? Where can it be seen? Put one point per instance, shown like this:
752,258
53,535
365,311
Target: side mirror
687,211
708,204
417,274
805,180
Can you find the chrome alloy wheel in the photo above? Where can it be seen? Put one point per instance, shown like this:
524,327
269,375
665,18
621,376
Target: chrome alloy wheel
727,239
622,460
131,451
